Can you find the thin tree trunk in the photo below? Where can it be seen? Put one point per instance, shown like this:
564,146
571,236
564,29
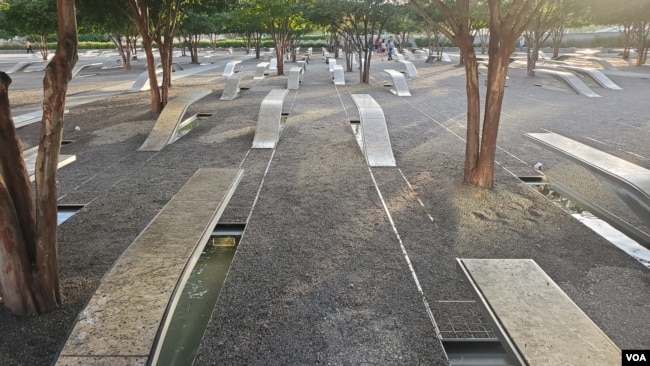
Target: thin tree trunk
156,105
473,112
499,54
55,86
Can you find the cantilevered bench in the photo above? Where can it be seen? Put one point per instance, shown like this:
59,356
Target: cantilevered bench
22,66
260,69
166,128
536,322
267,132
630,182
331,63
571,80
77,69
339,75
229,70
126,320
293,82
411,71
375,140
595,74
400,88
30,155
231,88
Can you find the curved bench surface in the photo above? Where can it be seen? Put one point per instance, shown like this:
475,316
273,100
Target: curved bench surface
77,69
128,313
571,80
267,131
375,140
331,63
537,323
630,182
293,82
229,70
22,65
169,120
260,69
339,75
598,76
410,69
400,87
231,88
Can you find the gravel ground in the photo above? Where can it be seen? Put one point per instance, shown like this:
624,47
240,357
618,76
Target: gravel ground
320,275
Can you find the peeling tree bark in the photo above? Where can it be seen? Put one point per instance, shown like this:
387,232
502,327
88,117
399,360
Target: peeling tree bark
29,281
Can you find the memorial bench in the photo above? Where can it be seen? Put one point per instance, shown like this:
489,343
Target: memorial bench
411,71
260,70
536,322
571,80
630,182
30,155
168,123
126,320
400,87
338,75
595,74
78,68
23,65
375,140
267,132
229,70
295,76
231,88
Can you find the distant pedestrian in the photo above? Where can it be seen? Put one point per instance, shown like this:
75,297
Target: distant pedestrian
390,45
522,43
28,46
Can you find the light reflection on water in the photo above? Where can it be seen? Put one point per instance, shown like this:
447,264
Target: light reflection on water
602,228
195,306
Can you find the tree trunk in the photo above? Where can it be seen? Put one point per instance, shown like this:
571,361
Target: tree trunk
194,50
43,47
473,111
29,253
17,215
499,53
156,105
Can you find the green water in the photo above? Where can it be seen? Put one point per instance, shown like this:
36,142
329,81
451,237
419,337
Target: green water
196,303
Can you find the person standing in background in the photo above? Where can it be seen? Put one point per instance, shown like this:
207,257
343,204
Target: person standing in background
28,46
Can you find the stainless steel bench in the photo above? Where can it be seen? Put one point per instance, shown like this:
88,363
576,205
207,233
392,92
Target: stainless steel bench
400,88
168,123
126,320
571,80
630,182
536,322
375,140
267,132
